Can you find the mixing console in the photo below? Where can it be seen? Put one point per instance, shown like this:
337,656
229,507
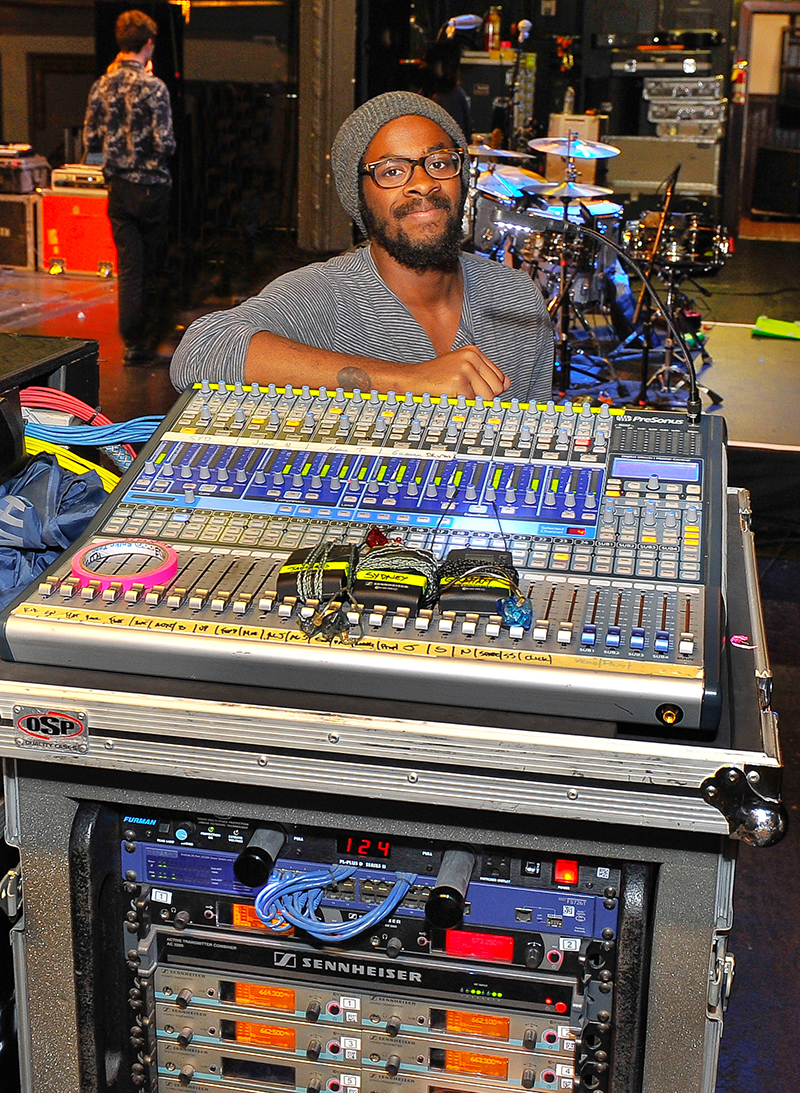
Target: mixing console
497,554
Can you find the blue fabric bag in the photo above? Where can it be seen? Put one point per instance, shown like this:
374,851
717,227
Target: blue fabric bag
42,510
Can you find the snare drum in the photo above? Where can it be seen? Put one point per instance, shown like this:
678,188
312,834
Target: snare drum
487,236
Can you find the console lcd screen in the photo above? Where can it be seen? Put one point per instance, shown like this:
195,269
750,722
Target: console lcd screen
664,469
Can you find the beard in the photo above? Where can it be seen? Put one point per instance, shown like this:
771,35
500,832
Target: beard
441,252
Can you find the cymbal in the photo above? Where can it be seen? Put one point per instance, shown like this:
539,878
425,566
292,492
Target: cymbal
508,181
483,151
569,191
573,148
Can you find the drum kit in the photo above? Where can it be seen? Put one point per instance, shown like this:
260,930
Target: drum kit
511,208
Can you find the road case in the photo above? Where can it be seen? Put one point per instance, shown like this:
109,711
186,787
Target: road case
584,948
76,232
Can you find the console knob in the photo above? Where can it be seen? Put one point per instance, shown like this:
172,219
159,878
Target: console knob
185,1036
185,1074
534,952
313,1010
182,920
314,1086
255,863
444,907
393,1065
528,1078
183,998
529,1039
393,1025
314,1049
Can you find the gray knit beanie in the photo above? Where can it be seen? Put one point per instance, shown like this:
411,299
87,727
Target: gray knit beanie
357,131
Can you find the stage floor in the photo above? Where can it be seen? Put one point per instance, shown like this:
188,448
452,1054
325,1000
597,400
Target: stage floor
759,379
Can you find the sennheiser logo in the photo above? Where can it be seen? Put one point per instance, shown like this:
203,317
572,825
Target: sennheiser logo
354,969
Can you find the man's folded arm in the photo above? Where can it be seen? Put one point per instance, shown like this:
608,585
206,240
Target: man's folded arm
221,349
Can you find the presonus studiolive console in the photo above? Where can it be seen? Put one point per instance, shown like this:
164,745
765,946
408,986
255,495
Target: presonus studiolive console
553,559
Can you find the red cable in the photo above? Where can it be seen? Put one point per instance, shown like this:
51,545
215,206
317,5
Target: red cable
48,398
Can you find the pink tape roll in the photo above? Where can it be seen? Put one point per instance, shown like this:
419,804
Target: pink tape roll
163,567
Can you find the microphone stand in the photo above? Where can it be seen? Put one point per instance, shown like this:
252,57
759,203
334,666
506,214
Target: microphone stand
643,303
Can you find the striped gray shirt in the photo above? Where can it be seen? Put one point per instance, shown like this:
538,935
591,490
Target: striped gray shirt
344,305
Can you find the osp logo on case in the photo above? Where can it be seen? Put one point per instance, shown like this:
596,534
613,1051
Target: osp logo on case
54,728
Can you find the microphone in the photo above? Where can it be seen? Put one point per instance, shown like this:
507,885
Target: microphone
524,27
536,223
464,22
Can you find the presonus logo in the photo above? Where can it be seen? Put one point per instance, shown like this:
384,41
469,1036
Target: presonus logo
50,726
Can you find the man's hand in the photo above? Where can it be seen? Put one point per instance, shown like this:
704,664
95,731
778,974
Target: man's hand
464,371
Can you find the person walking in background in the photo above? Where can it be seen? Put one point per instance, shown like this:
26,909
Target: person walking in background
442,83
129,122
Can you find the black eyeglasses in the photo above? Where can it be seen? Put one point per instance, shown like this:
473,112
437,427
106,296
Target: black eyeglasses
396,170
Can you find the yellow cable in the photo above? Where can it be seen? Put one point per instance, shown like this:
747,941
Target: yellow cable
71,462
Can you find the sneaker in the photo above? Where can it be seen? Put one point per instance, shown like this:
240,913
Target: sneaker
141,357
136,355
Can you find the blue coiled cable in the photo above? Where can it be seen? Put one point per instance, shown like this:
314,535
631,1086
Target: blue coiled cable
136,431
285,902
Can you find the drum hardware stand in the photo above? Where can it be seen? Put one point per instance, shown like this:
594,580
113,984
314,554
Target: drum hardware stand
669,370
562,302
569,149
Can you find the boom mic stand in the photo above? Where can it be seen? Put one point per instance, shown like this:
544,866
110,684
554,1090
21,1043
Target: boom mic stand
643,303
694,405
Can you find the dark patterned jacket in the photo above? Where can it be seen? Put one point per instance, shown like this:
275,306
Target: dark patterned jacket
129,120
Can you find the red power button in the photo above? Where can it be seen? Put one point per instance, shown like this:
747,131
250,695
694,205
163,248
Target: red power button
565,872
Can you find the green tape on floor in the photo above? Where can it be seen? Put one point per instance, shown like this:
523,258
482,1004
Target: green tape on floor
775,328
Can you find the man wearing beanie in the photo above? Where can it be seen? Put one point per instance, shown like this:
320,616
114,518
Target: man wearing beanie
408,312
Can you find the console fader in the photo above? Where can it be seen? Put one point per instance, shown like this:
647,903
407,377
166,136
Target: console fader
611,521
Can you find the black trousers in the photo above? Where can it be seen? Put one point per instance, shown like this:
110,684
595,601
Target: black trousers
139,214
